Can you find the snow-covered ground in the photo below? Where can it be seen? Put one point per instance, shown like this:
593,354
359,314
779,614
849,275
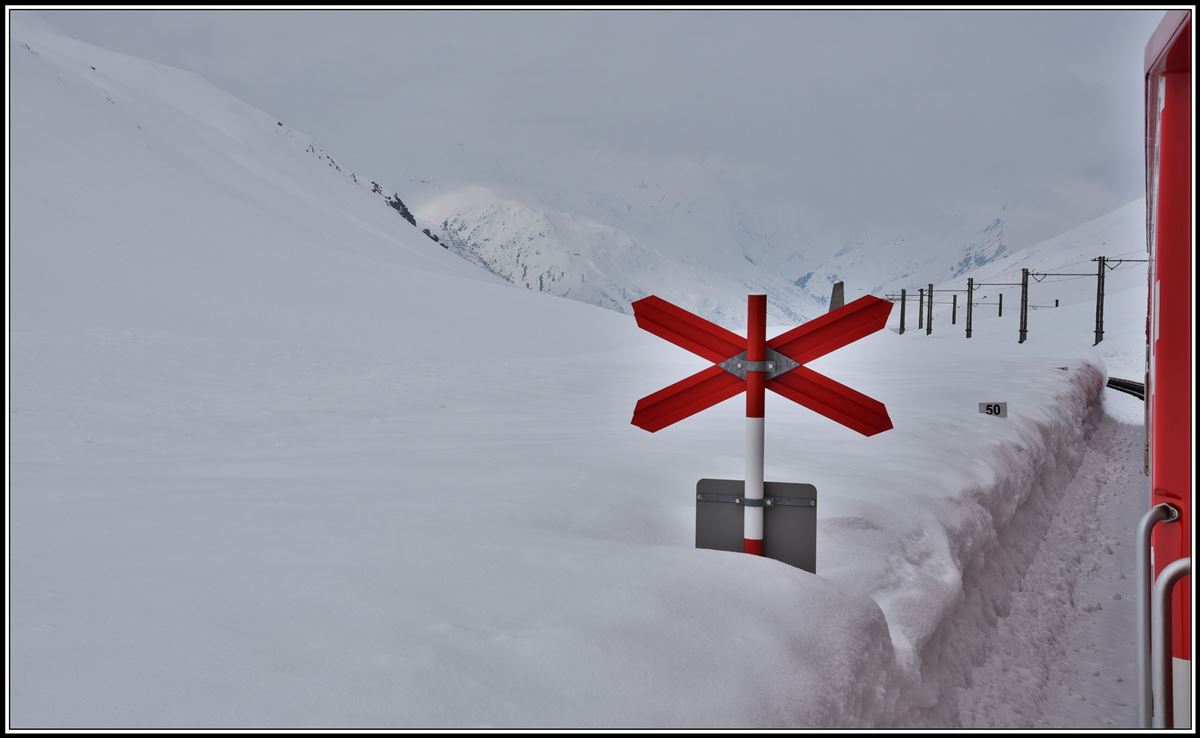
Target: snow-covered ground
278,460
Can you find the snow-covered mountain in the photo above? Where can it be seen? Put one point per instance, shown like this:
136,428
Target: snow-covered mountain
580,258
627,245
872,268
545,251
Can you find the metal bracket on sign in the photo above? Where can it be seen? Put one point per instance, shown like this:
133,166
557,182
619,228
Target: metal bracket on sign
791,501
719,498
775,364
765,502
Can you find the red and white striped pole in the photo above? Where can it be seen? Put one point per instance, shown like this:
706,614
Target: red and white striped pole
756,381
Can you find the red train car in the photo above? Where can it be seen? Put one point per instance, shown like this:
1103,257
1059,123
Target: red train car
1169,372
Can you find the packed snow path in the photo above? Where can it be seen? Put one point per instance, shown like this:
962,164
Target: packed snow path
1064,655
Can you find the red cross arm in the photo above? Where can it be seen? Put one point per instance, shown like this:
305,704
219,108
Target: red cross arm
686,398
832,399
687,330
833,330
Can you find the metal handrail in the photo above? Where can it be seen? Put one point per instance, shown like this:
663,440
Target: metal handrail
1160,621
1161,512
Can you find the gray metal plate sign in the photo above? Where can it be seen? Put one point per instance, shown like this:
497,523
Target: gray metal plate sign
789,520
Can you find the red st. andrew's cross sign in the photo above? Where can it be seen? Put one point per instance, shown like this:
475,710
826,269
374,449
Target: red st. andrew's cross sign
752,365
791,379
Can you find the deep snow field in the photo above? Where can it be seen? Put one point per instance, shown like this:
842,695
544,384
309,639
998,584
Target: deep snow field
278,460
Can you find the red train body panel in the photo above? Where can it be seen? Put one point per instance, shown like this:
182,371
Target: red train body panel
1169,372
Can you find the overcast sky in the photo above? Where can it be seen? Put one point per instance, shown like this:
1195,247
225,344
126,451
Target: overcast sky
866,122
